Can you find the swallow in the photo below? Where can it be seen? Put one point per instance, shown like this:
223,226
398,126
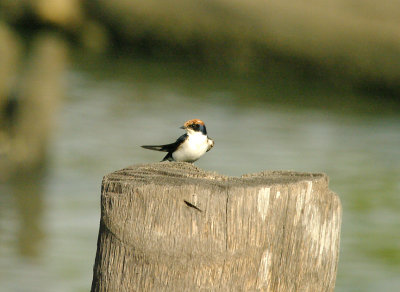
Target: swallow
190,146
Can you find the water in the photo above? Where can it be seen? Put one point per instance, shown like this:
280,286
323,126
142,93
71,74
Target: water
49,224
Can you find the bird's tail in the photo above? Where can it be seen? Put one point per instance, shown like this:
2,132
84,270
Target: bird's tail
155,147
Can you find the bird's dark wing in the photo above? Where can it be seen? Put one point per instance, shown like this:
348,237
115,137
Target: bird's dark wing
168,147
168,157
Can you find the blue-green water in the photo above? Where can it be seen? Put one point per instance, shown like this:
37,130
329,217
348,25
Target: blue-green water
49,224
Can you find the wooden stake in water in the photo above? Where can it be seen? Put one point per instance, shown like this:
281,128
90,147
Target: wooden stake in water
174,227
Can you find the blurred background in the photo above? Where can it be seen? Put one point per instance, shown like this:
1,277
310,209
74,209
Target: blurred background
281,84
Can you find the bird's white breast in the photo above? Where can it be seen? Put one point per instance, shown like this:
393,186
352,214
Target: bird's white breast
192,149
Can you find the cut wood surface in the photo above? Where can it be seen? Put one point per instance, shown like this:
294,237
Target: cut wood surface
175,227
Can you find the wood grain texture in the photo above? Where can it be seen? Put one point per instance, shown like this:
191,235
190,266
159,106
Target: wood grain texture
269,231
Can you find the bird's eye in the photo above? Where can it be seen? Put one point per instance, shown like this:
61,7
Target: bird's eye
195,126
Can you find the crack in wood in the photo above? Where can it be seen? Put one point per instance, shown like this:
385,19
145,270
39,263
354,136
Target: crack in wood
192,206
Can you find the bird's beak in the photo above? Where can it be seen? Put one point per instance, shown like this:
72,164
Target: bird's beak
183,127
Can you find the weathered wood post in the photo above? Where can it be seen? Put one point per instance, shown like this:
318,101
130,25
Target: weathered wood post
172,226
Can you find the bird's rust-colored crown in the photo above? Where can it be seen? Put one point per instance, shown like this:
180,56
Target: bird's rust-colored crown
192,122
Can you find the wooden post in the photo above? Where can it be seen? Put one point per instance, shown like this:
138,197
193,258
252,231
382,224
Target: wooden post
174,227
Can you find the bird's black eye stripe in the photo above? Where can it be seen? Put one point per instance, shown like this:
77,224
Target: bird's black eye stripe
198,128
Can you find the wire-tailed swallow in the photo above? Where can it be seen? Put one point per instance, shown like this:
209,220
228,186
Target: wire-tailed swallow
190,146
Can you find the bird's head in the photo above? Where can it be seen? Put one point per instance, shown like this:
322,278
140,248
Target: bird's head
195,125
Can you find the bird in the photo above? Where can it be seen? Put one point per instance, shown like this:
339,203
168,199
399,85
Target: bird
190,146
